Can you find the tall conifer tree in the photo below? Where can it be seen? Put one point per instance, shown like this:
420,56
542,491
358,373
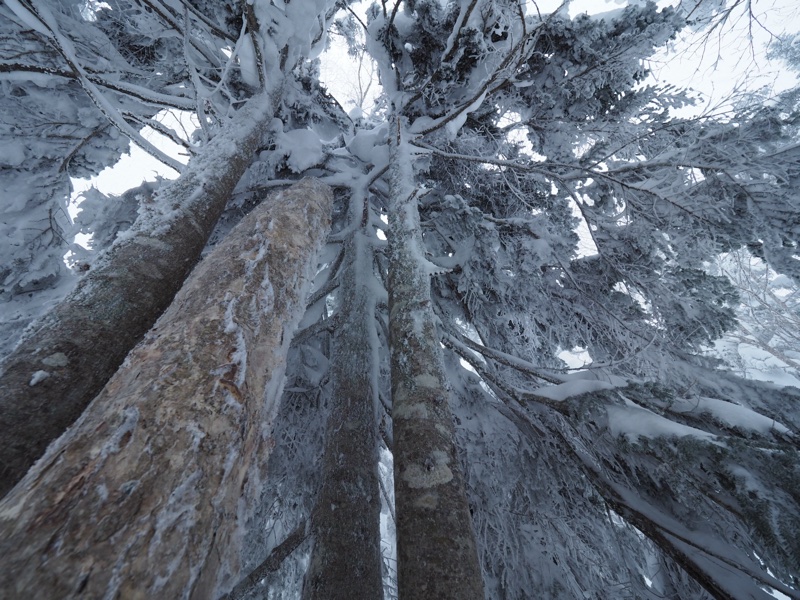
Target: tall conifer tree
541,197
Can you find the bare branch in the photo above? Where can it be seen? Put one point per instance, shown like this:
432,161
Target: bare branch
270,564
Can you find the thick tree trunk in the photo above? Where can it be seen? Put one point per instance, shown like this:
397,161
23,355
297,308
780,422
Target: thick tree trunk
55,372
145,496
345,524
436,551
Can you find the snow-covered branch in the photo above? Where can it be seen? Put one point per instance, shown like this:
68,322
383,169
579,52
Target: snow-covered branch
463,342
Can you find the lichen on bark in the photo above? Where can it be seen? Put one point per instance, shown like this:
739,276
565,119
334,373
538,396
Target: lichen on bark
436,549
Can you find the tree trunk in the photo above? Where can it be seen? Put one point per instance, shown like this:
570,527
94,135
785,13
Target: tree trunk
436,550
56,371
346,557
146,495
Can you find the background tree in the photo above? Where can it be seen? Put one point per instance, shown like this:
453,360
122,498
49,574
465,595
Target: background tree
641,291
764,343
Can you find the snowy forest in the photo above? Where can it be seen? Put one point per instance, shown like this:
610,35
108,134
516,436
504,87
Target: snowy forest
478,339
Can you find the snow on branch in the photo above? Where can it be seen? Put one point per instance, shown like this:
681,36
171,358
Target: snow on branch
44,22
514,362
144,95
722,568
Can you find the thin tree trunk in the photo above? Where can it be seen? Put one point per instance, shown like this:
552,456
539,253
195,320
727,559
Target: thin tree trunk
345,524
436,551
145,496
52,375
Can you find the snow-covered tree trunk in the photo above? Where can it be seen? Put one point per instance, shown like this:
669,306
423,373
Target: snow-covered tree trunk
346,557
145,496
55,371
436,549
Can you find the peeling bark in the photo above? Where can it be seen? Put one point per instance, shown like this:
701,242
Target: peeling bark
436,550
146,495
346,556
53,374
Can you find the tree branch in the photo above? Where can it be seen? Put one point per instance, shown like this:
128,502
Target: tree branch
144,95
270,564
326,289
49,28
325,325
503,358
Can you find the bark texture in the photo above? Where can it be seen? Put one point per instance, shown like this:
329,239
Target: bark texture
46,383
145,496
346,556
436,550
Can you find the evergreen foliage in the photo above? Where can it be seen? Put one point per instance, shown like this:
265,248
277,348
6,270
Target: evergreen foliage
562,206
